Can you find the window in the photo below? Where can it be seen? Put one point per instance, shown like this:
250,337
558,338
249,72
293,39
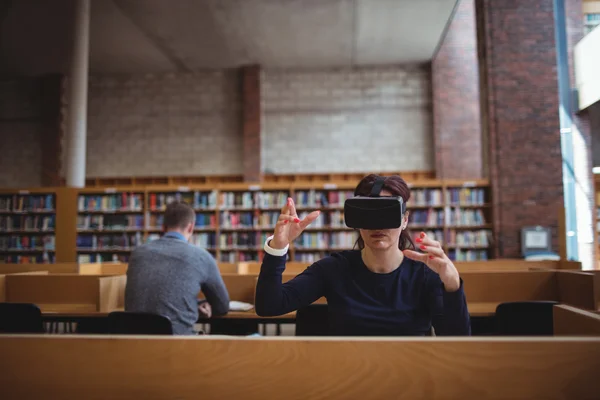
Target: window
591,21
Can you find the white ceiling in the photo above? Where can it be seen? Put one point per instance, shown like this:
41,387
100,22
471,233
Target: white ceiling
162,35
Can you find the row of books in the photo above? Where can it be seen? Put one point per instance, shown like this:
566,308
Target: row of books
469,238
321,199
204,240
465,196
325,240
468,255
461,217
27,223
202,221
429,217
107,242
111,202
102,257
196,199
110,222
42,258
242,240
425,197
24,203
21,242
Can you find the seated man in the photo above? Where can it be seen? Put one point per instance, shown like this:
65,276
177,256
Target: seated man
166,275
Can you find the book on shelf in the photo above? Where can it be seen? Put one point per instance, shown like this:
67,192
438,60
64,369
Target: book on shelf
197,199
203,220
465,196
110,222
325,240
313,198
34,223
462,217
425,198
27,203
467,255
41,258
476,238
111,202
252,199
123,241
27,243
430,217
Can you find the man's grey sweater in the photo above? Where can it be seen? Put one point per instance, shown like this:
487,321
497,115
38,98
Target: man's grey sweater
165,277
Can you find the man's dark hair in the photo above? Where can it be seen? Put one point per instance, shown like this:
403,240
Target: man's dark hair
178,215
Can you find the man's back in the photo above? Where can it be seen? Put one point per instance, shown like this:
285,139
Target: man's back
165,277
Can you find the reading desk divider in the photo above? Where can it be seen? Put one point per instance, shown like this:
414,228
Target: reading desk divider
67,292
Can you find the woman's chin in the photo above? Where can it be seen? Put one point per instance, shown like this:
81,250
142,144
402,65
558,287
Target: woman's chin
379,244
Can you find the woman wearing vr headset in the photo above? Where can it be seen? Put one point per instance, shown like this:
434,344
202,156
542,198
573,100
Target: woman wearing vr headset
383,288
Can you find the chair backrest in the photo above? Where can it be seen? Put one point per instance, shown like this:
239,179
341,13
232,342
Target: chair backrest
312,320
20,318
138,323
525,318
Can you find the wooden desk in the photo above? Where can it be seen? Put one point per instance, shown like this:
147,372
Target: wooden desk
125,367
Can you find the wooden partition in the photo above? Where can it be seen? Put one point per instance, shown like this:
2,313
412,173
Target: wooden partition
485,290
67,292
36,367
57,268
103,269
3,281
572,321
579,288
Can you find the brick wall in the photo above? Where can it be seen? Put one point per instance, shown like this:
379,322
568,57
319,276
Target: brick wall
524,130
160,125
456,99
371,119
20,134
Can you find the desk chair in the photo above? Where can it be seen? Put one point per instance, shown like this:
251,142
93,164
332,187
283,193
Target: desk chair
525,318
312,320
138,323
20,318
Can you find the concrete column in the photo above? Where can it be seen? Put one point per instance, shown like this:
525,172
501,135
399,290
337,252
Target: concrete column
78,86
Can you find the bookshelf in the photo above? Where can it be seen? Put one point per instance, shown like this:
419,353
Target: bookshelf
233,219
27,226
110,223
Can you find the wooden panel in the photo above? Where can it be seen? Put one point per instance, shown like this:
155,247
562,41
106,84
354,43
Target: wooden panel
571,321
66,224
571,265
488,287
57,268
228,268
508,264
112,293
103,269
295,368
53,289
579,289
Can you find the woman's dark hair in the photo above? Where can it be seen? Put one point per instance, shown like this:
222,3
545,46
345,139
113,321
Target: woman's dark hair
397,187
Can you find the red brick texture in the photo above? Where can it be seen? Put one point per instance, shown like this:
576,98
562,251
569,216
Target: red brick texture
521,92
456,99
251,106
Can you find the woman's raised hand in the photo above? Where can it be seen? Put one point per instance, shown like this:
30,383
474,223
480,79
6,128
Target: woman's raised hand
289,226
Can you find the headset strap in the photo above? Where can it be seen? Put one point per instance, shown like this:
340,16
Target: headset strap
377,186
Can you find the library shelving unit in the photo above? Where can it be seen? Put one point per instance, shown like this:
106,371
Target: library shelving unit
27,226
110,223
233,219
31,230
